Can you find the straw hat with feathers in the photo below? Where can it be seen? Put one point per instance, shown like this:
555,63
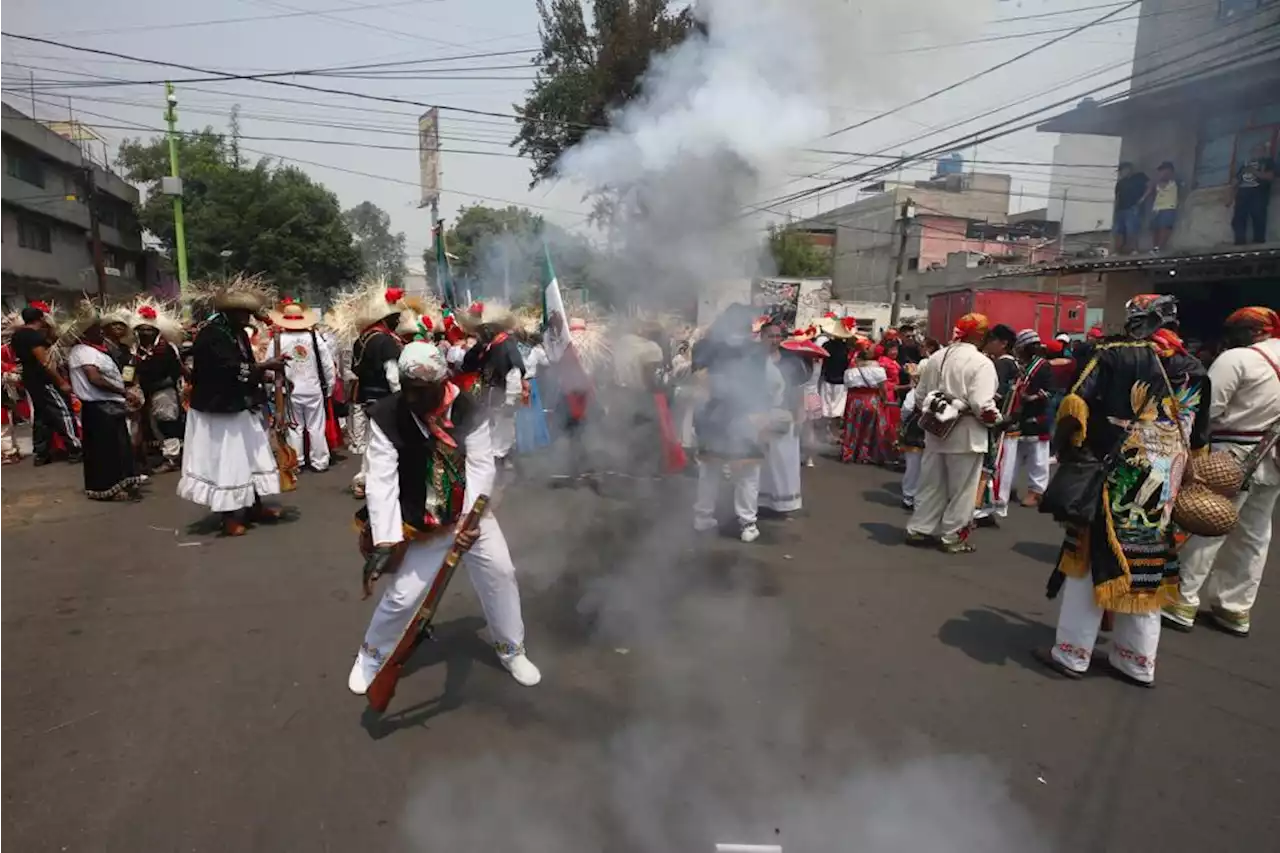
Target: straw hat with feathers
488,313
246,292
149,311
364,305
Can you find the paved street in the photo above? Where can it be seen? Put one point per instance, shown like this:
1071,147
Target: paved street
826,689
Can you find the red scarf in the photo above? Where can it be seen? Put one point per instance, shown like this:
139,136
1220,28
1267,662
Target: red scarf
438,421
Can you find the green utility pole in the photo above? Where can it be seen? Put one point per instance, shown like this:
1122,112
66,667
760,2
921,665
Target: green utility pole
173,187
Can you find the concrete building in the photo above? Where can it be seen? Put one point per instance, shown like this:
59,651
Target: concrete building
48,253
866,232
1205,94
1080,182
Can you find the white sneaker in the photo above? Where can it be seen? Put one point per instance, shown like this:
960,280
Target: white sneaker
362,673
522,670
750,533
808,463
704,525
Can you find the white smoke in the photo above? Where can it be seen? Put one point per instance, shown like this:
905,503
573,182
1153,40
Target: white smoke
704,731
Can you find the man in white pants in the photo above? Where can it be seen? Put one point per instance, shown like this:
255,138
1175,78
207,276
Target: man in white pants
1026,443
951,467
1245,383
429,457
310,373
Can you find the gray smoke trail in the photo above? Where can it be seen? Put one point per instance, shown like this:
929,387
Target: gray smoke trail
706,729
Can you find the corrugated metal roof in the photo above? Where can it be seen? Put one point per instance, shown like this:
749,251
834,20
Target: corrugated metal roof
1268,252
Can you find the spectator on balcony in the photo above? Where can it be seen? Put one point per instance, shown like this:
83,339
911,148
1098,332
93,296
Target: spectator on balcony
1131,189
1164,205
1251,196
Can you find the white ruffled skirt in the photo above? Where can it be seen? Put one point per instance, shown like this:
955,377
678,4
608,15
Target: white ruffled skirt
227,461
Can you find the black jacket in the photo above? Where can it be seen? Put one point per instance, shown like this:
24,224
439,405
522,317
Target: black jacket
223,378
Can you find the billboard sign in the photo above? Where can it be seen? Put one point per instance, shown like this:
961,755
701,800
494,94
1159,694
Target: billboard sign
429,156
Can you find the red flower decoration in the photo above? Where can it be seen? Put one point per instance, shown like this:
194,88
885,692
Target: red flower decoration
849,323
449,322
288,300
426,323
394,294
147,312
829,315
41,305
476,308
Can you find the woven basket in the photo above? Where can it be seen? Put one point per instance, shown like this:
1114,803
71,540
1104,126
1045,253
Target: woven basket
1202,511
1219,471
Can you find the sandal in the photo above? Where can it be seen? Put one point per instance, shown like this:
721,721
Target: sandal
962,546
920,540
1121,675
1045,657
262,512
233,527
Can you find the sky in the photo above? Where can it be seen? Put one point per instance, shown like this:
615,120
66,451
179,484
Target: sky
330,135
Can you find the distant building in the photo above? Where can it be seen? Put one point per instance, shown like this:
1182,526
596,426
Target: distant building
48,252
1081,182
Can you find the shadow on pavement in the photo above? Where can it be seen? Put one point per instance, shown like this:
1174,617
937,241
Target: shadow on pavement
996,637
877,496
459,647
1044,552
884,534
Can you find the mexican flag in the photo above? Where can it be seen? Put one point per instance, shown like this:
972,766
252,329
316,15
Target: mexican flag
574,381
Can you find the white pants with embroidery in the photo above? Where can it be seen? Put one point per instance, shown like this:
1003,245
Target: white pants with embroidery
1228,569
911,477
946,495
492,575
1134,638
358,439
746,490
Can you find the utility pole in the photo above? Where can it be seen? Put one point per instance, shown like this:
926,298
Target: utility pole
904,224
95,233
33,95
172,186
1057,279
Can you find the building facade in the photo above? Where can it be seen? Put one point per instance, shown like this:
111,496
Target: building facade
44,202
1205,96
1080,180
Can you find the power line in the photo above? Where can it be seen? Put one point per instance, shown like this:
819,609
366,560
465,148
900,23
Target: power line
984,72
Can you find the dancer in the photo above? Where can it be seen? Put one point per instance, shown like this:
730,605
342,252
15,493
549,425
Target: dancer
1245,408
160,375
911,439
110,471
1026,443
228,464
780,470
429,456
369,316
1138,411
310,372
496,358
531,420
50,393
962,380
865,433
835,335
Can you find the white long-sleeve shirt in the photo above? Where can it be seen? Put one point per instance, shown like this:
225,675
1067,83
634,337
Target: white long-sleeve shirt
304,366
536,358
1246,398
966,374
382,480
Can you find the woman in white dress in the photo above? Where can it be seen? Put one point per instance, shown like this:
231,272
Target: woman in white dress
780,470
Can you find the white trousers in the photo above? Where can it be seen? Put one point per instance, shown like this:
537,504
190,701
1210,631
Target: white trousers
946,495
780,474
911,477
1134,638
307,414
492,574
1021,454
502,425
1228,568
358,440
746,490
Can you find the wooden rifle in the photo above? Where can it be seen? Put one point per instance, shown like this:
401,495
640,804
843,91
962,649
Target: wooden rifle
383,686
286,456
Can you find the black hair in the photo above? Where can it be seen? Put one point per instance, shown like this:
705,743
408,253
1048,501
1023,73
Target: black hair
1001,332
31,313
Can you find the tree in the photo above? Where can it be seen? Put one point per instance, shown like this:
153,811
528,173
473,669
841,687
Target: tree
499,252
795,255
586,70
274,220
382,252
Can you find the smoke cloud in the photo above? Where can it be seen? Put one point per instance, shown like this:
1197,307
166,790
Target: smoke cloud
707,732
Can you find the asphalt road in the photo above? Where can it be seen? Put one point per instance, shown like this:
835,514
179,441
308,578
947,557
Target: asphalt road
826,689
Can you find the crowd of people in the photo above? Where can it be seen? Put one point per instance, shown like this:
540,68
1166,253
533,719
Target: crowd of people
443,405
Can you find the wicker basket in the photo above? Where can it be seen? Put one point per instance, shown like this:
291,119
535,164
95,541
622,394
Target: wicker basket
1218,471
1202,511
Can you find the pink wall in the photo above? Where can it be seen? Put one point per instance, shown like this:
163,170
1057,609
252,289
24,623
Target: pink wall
941,235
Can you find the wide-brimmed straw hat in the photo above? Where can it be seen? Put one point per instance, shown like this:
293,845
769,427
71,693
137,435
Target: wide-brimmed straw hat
838,327
151,312
295,317
493,314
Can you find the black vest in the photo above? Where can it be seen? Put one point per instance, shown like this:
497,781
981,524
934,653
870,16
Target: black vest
417,454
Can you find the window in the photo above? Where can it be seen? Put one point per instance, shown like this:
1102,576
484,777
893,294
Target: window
1232,9
1227,141
34,235
913,263
1073,314
25,169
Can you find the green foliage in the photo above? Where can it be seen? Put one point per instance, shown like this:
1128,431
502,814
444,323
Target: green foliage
382,252
589,68
795,256
273,219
